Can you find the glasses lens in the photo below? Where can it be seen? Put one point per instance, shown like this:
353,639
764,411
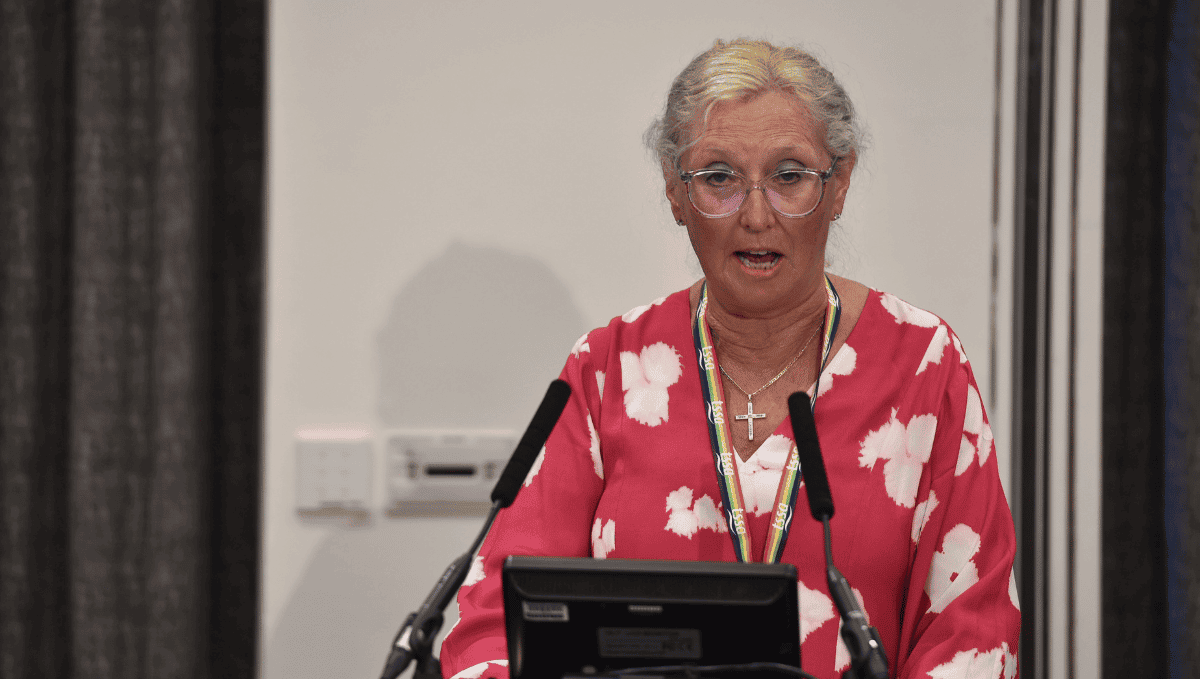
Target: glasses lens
793,193
716,193
719,194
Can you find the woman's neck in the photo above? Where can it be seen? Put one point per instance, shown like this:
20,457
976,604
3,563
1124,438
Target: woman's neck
763,343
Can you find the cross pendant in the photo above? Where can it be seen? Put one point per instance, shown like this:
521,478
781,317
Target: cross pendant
750,417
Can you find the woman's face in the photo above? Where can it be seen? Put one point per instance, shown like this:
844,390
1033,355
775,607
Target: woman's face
756,261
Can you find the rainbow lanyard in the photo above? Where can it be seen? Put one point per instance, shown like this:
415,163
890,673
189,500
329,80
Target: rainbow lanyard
718,433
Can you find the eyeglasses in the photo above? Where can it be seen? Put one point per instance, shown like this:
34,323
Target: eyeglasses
791,193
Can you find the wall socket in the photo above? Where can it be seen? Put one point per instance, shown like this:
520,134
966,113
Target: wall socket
444,473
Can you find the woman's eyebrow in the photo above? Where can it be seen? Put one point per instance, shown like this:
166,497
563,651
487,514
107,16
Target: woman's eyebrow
713,151
781,154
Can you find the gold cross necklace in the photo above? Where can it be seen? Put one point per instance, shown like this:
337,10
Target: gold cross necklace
750,415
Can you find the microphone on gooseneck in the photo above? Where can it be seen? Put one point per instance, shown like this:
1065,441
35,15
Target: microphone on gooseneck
867,658
414,641
531,443
808,451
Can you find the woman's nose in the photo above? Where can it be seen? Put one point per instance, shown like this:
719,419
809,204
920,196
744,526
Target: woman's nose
756,212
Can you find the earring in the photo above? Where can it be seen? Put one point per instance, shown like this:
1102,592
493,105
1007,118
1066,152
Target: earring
680,222
837,216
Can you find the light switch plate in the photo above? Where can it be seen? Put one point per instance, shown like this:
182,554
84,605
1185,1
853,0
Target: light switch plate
333,476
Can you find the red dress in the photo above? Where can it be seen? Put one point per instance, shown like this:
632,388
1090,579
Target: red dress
922,529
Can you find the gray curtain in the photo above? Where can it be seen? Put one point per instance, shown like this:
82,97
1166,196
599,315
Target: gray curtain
1150,523
1181,343
131,137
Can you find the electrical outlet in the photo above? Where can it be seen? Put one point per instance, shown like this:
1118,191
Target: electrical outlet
448,473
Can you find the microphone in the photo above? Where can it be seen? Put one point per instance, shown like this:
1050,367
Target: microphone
867,659
808,452
531,443
414,641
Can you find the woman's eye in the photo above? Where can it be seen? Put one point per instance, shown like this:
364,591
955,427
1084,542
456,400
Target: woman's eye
718,178
790,177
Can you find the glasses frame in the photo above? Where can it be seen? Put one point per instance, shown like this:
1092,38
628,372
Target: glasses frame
687,177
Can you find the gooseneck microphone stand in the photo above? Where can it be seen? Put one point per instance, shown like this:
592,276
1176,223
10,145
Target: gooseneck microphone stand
867,659
414,641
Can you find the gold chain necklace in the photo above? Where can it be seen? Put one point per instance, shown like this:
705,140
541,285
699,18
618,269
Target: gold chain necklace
750,415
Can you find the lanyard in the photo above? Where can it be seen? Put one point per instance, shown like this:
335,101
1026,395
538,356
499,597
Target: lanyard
718,433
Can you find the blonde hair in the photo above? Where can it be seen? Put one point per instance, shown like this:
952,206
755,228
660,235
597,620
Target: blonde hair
742,68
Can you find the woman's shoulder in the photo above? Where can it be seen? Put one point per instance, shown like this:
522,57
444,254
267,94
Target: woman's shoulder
662,318
883,309
857,298
897,333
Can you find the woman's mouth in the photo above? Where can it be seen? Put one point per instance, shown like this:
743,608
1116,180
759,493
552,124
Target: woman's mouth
758,259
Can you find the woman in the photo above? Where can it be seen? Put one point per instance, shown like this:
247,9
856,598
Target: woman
758,145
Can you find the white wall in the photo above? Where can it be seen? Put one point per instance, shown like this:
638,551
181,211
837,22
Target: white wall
492,150
1074,625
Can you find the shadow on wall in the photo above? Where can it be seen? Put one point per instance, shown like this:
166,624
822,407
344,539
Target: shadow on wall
355,594
473,340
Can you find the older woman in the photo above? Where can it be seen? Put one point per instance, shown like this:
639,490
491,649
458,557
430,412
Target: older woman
758,144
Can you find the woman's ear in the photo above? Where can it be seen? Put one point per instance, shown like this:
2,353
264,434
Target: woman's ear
675,189
841,178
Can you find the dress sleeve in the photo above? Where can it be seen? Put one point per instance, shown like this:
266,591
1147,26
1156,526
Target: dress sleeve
551,516
962,616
